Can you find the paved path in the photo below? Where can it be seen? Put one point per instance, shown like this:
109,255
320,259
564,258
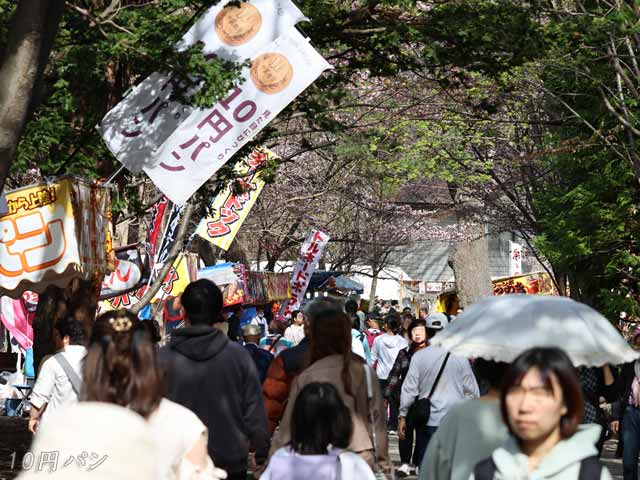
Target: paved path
613,464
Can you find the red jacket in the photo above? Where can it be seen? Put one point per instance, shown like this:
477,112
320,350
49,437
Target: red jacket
280,375
275,391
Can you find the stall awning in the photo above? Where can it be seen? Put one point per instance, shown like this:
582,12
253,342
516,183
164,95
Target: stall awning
323,280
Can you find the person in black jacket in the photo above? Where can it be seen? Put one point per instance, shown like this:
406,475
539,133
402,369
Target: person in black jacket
626,414
217,380
234,323
596,383
262,358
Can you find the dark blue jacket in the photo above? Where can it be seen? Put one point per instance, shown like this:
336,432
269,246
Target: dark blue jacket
217,380
262,359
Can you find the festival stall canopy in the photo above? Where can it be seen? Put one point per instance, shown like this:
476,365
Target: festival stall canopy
54,232
325,280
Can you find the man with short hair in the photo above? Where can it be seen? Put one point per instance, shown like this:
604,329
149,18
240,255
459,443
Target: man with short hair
217,380
261,321
234,323
351,308
60,378
262,358
456,384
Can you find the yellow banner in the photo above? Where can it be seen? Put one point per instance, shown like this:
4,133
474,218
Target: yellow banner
230,209
53,232
173,285
176,280
538,283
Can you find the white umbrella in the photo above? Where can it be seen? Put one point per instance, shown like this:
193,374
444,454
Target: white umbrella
500,328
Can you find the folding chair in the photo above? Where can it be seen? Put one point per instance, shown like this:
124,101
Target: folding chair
24,390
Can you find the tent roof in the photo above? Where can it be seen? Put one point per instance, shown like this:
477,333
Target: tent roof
320,279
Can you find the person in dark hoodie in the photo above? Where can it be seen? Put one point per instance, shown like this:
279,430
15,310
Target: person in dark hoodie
217,380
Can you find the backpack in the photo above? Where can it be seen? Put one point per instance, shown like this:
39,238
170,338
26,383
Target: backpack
590,469
371,336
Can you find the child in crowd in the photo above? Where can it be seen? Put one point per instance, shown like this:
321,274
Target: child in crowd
321,429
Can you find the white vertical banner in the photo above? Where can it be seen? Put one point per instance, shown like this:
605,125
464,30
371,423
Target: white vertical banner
310,255
206,140
515,258
146,117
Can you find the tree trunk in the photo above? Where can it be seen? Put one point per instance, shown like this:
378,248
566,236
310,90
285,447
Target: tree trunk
207,252
271,263
560,281
236,253
470,264
31,35
372,294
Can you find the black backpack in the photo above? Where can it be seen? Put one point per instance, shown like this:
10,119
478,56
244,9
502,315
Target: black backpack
590,469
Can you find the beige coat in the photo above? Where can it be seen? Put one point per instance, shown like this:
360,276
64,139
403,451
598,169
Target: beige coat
329,369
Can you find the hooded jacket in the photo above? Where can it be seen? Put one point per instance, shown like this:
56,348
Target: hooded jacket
218,381
561,463
384,352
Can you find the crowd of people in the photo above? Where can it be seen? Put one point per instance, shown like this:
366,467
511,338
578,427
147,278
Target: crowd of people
319,399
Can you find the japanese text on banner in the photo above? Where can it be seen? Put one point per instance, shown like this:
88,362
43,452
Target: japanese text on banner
515,258
310,255
229,210
206,140
144,119
49,229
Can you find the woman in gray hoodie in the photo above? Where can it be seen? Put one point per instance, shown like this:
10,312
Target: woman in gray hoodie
542,405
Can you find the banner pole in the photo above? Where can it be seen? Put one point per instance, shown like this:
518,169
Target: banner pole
115,174
177,265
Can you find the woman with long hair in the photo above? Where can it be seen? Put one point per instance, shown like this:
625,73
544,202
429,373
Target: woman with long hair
331,361
121,368
321,429
417,332
542,405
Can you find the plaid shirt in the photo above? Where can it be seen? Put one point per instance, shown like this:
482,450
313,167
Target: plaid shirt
396,376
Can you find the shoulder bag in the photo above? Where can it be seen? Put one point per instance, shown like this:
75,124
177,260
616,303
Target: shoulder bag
420,410
74,378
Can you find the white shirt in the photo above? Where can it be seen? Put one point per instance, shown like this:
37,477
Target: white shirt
385,350
357,347
261,321
295,333
337,464
456,384
53,388
176,430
